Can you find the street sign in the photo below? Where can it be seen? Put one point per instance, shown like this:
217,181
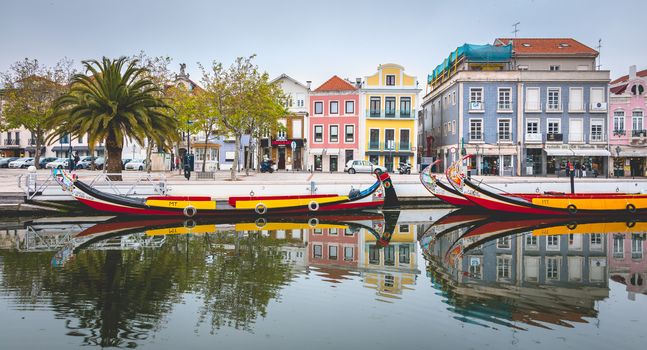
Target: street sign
293,145
453,149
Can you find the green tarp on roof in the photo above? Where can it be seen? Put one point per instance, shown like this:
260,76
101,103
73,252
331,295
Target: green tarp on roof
473,53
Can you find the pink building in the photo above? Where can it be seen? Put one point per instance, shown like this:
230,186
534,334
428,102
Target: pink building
333,247
334,125
628,137
628,261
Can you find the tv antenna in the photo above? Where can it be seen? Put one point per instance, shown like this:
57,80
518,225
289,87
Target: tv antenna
599,56
516,29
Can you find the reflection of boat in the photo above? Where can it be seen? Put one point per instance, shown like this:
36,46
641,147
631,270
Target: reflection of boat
537,271
450,223
550,203
379,225
380,194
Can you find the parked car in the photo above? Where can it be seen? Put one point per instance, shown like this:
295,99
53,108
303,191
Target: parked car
43,161
85,162
124,162
100,162
136,164
362,166
4,162
21,163
59,163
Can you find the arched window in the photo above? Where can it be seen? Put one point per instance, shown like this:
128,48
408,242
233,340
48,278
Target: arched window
637,89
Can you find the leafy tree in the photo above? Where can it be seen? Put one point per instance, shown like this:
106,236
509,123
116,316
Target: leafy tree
112,101
30,91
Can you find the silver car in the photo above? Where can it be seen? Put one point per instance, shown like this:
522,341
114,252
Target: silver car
22,163
362,166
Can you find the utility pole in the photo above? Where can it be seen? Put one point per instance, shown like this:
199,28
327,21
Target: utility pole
516,29
599,56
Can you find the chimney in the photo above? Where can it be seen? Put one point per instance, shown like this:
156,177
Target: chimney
358,82
632,72
308,83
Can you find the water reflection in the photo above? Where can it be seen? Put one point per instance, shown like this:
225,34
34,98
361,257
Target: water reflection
113,282
531,272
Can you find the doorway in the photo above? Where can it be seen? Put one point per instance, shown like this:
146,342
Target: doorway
490,165
318,163
281,164
296,156
333,163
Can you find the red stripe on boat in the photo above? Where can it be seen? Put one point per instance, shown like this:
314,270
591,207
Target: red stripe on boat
180,198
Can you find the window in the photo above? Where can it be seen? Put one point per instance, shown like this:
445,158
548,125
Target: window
332,252
637,89
575,100
505,95
453,127
319,107
389,139
531,242
64,139
317,251
532,100
403,256
404,139
389,255
532,130
597,98
375,108
334,133
334,107
297,127
373,255
637,123
552,243
597,130
349,135
349,253
554,103
553,126
301,100
619,246
503,242
350,107
476,99
318,133
554,67
405,107
389,106
504,130
454,97
552,268
618,122
374,139
390,80
503,265
636,246
475,267
476,130
596,241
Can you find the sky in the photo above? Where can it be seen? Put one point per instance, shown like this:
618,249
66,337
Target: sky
310,40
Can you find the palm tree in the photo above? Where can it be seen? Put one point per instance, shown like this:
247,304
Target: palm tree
112,103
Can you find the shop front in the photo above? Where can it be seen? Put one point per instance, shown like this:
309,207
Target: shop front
492,160
288,154
630,161
587,162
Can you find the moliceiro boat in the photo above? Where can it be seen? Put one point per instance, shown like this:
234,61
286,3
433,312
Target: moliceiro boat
547,203
379,195
443,191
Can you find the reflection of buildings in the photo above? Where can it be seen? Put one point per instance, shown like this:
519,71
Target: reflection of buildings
334,246
528,278
392,268
627,262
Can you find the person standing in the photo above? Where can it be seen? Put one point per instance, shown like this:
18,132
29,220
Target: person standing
76,159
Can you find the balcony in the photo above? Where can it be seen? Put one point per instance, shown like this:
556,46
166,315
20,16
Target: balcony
374,145
11,142
383,113
534,137
389,146
406,114
552,107
476,136
598,107
504,137
503,107
638,133
476,107
597,137
619,133
389,113
375,113
554,137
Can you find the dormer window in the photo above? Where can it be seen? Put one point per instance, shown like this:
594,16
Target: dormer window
525,45
637,90
564,45
390,80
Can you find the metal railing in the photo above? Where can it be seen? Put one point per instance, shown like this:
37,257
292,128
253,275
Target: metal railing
12,142
638,133
389,146
554,137
384,113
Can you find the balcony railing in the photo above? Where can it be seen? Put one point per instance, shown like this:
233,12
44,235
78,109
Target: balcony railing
389,146
504,137
12,142
554,137
375,113
638,133
534,137
553,107
619,133
597,137
383,113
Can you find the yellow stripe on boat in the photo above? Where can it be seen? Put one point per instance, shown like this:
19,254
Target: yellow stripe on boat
164,203
609,203
181,230
601,227
271,226
284,203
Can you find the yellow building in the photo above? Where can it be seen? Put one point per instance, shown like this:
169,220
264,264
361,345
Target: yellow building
389,98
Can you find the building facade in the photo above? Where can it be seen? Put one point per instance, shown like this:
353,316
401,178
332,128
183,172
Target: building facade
288,147
520,106
334,125
388,106
628,263
628,136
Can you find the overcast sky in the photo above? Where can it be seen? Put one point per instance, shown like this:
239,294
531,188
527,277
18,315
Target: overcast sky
311,40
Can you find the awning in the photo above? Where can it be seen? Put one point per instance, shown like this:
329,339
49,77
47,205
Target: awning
591,152
332,151
496,152
559,152
61,148
640,152
316,151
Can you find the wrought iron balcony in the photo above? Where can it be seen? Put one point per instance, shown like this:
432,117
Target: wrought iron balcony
638,133
554,137
12,142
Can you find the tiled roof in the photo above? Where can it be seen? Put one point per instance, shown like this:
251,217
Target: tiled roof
642,73
547,46
336,84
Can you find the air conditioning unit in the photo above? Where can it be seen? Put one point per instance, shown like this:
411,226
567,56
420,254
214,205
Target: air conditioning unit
476,106
599,106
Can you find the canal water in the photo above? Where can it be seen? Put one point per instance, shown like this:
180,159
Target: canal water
404,280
